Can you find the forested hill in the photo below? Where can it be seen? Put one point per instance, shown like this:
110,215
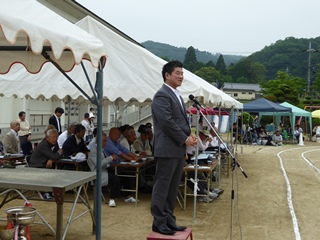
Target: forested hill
178,53
289,55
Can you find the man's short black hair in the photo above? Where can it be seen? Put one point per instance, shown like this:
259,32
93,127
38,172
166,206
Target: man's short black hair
143,129
21,113
123,128
79,128
59,110
86,115
169,67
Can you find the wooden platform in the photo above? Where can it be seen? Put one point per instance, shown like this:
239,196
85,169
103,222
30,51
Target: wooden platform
179,235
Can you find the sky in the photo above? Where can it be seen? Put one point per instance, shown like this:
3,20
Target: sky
239,27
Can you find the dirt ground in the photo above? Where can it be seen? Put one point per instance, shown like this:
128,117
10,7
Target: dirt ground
279,200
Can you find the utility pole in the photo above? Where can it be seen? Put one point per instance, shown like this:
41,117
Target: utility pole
310,50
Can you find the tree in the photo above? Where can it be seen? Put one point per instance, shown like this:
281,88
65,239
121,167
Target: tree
316,84
210,64
284,88
165,58
247,71
190,59
211,75
220,65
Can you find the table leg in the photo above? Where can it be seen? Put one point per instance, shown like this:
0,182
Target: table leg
137,185
59,199
185,191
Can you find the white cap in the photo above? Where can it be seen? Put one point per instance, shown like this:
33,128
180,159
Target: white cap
91,115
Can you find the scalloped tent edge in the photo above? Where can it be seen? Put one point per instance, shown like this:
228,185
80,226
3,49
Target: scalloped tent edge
41,23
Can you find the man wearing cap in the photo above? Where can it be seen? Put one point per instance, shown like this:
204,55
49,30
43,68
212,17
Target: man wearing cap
203,142
141,144
88,127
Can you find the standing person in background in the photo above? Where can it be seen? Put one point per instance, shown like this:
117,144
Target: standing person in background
55,119
91,124
172,134
91,111
25,129
88,129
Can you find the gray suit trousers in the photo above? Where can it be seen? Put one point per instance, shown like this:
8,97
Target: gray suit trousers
165,189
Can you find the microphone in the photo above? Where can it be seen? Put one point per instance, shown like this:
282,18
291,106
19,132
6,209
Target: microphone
192,98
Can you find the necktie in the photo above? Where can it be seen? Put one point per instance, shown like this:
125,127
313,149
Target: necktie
59,126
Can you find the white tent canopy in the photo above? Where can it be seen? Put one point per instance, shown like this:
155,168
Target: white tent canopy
29,30
25,31
133,75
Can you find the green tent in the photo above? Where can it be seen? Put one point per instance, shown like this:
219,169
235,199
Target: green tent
296,112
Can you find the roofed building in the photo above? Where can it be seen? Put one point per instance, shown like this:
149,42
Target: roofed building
242,91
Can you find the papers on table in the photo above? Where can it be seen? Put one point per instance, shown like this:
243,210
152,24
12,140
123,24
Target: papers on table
199,167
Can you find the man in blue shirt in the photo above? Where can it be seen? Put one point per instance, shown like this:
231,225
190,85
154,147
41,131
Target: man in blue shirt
114,147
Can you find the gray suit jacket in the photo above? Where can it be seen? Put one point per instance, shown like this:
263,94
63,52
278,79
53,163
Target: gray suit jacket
171,126
10,143
92,162
43,153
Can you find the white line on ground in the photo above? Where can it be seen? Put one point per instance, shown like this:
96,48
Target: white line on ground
289,193
310,163
289,197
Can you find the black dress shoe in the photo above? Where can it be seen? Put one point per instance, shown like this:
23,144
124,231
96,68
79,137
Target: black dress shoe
176,227
163,230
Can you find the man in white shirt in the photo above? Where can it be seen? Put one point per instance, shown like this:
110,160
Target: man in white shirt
25,129
203,143
277,138
89,129
129,139
63,136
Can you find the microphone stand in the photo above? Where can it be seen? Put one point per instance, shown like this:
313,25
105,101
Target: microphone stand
233,165
196,180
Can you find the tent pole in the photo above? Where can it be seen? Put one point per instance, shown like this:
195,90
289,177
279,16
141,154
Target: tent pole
97,206
46,56
88,79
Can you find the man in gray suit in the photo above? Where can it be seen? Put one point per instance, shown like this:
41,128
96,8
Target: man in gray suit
11,143
171,136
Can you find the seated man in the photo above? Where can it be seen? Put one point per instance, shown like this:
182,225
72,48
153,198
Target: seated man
262,134
11,143
46,151
114,147
297,131
92,142
129,139
203,143
141,144
277,138
123,130
215,143
75,143
67,133
318,131
107,178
